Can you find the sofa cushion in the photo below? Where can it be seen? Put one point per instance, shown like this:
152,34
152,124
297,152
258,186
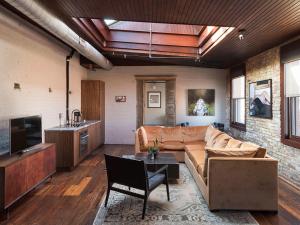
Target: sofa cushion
233,143
195,133
261,152
153,133
196,156
172,145
233,152
208,132
202,143
214,134
221,141
171,134
249,145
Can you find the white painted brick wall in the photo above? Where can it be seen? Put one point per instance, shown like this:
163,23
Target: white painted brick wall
37,62
266,132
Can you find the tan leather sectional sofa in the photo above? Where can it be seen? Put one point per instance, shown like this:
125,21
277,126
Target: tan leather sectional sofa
231,174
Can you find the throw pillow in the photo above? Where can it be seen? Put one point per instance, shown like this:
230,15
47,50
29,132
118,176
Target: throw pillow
221,141
233,143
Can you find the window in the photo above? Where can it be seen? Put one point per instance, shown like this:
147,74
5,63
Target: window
292,99
238,102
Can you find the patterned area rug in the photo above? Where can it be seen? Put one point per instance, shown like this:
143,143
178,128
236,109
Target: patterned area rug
187,207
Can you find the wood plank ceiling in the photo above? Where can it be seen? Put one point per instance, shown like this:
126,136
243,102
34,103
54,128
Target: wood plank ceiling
267,23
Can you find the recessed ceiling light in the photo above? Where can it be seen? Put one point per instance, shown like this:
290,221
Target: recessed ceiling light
109,22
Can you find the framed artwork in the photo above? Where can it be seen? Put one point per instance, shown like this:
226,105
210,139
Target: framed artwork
260,99
154,99
201,102
120,98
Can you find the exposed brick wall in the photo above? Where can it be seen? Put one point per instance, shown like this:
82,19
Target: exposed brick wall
266,132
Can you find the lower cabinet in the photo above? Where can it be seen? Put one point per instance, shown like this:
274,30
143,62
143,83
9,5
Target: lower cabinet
19,174
74,145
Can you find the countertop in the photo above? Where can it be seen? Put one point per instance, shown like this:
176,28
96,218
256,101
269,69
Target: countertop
69,128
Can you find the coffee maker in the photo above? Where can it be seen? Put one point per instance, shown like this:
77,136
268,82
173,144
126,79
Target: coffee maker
76,118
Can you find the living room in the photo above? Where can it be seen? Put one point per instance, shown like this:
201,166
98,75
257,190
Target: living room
206,103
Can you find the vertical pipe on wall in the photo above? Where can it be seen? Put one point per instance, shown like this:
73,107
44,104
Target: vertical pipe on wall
68,58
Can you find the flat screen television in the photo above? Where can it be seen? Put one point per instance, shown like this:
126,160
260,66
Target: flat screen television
25,133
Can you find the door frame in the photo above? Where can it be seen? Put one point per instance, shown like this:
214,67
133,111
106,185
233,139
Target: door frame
140,80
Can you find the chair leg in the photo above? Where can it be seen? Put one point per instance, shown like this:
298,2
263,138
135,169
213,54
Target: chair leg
145,205
107,195
167,185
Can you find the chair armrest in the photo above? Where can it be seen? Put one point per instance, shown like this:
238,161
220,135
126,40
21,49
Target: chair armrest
165,167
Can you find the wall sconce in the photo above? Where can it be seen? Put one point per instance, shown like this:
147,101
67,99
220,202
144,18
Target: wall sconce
17,86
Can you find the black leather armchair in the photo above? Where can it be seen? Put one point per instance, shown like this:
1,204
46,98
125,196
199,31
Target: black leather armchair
133,173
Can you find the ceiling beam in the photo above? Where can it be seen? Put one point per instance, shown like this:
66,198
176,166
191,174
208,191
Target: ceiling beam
145,47
86,31
206,34
219,37
93,30
102,28
153,53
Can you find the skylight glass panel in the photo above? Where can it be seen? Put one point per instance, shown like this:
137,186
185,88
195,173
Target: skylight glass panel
109,22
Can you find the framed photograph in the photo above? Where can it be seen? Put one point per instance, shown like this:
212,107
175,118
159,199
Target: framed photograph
154,99
120,98
260,99
201,102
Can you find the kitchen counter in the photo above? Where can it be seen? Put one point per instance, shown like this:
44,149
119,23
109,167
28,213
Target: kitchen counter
85,124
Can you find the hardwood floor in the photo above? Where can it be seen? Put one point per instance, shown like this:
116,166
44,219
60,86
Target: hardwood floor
73,197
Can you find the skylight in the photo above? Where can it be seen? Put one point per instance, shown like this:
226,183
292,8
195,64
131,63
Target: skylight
109,22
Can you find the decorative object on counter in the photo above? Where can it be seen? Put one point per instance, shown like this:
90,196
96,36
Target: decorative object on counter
260,99
154,99
154,150
120,99
186,124
201,102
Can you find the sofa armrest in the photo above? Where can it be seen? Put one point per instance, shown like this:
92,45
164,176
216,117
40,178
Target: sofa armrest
243,183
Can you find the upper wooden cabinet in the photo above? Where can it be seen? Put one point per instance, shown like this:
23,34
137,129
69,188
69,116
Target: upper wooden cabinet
93,99
93,102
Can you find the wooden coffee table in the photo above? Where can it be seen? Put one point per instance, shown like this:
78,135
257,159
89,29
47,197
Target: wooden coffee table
162,159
